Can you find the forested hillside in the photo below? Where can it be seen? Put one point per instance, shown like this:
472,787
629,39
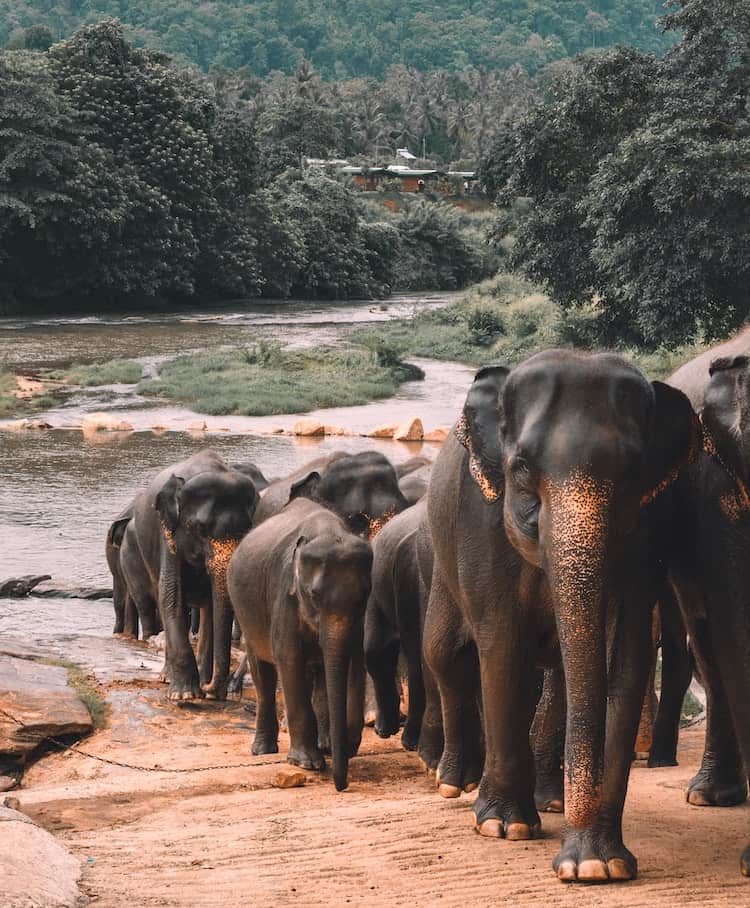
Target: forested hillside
346,38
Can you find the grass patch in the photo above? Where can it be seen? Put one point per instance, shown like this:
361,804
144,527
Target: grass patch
505,319
112,372
10,405
86,688
266,379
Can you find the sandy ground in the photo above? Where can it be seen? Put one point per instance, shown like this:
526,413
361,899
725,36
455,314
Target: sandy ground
229,836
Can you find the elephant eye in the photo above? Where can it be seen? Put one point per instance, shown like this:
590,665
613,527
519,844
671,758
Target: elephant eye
520,469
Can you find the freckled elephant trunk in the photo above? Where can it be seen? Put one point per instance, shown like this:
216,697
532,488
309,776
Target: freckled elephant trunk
221,551
336,642
575,560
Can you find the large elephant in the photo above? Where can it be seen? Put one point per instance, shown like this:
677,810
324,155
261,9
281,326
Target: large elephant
187,524
550,509
299,585
361,488
393,624
711,574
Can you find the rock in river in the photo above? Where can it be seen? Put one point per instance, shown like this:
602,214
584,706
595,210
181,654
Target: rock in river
36,704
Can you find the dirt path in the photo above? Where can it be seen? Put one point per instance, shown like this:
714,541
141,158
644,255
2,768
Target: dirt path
226,837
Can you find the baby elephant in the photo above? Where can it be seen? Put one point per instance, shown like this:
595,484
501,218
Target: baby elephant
299,584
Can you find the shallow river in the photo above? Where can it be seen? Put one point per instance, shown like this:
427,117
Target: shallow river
59,490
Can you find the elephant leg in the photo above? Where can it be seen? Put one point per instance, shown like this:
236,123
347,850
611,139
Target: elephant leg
454,665
265,680
119,597
205,644
381,655
644,738
195,621
183,670
411,643
355,700
505,806
303,726
431,738
130,623
234,688
595,851
676,672
721,781
320,708
548,742
236,632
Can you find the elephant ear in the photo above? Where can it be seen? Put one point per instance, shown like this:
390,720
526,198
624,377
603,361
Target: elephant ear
725,409
307,487
118,527
478,430
675,439
168,502
294,588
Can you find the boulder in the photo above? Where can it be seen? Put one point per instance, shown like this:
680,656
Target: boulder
386,431
104,422
439,435
289,778
412,430
38,872
36,704
308,427
197,427
335,430
23,425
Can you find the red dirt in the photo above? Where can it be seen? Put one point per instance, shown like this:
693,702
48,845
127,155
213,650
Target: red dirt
227,836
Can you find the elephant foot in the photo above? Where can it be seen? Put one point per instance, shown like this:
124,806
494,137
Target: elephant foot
712,788
745,862
410,736
265,743
306,758
590,857
430,747
458,772
548,794
503,818
657,760
215,690
185,689
324,744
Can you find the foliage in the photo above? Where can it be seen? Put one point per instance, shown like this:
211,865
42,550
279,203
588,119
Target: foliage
268,379
638,171
115,371
495,166
505,320
357,38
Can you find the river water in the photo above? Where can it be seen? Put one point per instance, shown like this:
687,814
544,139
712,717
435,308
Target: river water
59,490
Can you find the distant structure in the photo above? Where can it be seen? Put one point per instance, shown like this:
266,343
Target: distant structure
399,177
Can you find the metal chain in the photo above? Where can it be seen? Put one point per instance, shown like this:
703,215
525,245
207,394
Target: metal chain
83,753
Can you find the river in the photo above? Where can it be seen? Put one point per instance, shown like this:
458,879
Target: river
60,489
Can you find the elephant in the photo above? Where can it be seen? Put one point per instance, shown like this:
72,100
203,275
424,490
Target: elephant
299,584
412,465
393,624
710,572
187,524
361,488
126,616
550,509
414,485
142,592
692,377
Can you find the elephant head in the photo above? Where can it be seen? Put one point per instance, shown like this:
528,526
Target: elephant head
726,416
203,520
361,488
574,448
331,582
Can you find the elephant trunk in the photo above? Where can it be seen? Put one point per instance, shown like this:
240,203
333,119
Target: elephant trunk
575,561
221,551
336,643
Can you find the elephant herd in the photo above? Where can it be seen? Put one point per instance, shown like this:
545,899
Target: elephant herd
514,582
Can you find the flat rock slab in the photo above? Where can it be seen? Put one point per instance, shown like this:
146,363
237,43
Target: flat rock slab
43,705
37,872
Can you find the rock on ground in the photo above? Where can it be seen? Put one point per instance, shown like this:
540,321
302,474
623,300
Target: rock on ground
43,705
308,427
385,431
37,872
412,430
104,422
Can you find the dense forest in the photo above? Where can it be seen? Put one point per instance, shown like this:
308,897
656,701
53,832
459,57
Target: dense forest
350,38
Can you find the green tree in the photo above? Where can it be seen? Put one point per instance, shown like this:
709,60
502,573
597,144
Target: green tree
294,128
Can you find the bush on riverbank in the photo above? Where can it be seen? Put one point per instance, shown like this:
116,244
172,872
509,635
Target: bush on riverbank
112,372
506,319
267,379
